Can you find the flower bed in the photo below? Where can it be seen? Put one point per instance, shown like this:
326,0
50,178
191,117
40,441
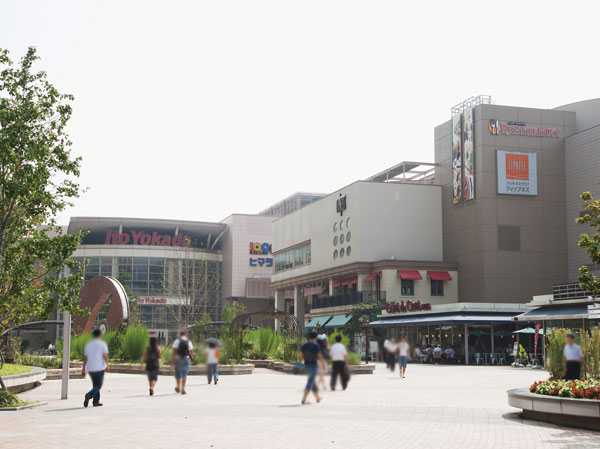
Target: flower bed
578,389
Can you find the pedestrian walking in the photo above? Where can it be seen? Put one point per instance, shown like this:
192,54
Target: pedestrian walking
310,352
386,351
403,356
339,363
392,354
182,355
152,361
323,343
95,362
212,362
573,359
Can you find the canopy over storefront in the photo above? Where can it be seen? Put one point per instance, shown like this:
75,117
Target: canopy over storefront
456,318
338,321
553,312
318,321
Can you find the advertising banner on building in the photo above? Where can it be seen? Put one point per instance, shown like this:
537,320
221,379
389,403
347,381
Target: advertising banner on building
517,173
468,160
456,159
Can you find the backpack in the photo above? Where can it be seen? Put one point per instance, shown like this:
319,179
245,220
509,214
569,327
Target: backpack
152,360
183,349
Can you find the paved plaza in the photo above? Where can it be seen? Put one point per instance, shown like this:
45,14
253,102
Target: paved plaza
433,407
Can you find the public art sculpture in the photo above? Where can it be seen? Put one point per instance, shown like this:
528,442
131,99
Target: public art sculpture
94,295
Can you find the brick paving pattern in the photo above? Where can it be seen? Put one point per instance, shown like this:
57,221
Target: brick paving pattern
433,407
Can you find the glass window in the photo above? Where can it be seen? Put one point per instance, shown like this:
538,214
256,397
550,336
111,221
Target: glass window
308,253
407,287
335,240
299,256
342,225
348,236
348,223
335,254
342,252
342,239
335,227
349,251
437,288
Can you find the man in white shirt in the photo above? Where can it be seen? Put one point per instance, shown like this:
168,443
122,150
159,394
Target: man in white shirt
386,350
95,362
573,359
339,363
182,354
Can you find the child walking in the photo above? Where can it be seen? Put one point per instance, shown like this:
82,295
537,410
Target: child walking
212,361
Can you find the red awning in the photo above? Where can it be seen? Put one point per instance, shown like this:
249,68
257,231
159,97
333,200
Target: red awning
439,275
410,275
350,281
337,284
373,276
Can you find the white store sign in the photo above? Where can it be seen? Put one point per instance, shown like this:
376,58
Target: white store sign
517,173
161,301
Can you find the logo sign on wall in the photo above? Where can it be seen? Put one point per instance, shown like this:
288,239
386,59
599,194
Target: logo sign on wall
468,156
409,306
146,238
260,249
517,173
496,128
456,159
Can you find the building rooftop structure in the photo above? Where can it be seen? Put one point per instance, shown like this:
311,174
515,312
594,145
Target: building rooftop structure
407,172
291,203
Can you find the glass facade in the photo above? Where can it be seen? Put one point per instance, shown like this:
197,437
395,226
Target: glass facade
293,257
190,287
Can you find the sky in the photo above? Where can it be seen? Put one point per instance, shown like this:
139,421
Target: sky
198,109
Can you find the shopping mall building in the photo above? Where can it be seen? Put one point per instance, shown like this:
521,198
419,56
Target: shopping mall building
458,247
176,271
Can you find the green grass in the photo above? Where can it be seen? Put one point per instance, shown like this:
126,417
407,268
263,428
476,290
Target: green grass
9,369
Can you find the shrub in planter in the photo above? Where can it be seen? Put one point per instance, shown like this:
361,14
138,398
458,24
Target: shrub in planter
590,345
8,399
12,350
134,343
555,363
78,343
114,341
264,343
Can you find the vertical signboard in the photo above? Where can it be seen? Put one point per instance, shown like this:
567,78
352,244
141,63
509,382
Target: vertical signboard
468,161
517,173
456,160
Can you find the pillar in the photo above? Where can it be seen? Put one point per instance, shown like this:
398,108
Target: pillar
279,305
492,336
362,284
330,287
299,307
466,344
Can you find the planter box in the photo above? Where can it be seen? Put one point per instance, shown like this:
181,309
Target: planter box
18,383
54,374
581,413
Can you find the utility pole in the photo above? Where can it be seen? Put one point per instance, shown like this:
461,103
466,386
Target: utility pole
64,392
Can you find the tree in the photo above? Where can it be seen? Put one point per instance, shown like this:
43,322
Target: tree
591,245
196,282
37,173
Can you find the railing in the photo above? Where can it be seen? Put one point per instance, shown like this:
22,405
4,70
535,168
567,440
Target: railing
347,299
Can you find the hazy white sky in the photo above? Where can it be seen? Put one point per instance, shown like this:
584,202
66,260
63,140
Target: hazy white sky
195,110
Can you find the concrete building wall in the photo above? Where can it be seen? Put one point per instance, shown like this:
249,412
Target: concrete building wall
387,221
489,274
582,165
241,231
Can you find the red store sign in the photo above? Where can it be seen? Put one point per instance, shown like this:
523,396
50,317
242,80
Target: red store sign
408,307
145,238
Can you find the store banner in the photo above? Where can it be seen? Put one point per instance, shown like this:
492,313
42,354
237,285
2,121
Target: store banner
468,156
517,173
457,195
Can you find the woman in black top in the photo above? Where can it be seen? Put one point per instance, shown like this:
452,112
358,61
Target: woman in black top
152,360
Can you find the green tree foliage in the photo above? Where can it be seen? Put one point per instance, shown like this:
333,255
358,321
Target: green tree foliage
135,341
37,175
591,245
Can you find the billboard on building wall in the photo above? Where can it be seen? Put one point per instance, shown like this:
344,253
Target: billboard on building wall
468,156
517,173
456,160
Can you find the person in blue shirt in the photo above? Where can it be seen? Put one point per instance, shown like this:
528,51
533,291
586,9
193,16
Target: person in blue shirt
310,352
